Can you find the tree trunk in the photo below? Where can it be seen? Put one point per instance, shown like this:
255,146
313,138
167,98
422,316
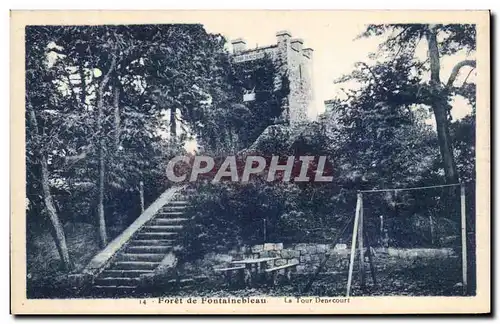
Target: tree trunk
444,140
439,106
116,105
173,125
58,229
100,116
100,207
83,86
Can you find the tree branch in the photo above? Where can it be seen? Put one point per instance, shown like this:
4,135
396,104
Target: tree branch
105,80
433,53
468,74
456,70
369,69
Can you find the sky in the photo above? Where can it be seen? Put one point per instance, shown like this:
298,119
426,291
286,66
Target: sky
333,41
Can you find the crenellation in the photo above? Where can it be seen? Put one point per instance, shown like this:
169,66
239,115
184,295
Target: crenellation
239,45
308,52
296,63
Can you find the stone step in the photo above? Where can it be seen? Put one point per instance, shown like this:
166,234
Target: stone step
139,242
162,228
156,235
124,273
173,208
169,214
134,265
113,291
151,257
177,202
168,221
149,249
117,281
182,282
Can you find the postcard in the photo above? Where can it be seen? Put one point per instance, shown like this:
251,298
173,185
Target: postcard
250,162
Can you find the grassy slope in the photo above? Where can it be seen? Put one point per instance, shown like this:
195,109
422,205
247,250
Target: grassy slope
44,273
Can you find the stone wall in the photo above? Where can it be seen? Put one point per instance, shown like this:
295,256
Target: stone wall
308,255
295,62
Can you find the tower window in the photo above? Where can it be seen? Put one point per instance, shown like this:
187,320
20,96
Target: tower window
300,71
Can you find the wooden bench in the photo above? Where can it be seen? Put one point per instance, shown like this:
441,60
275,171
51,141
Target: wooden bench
229,270
274,271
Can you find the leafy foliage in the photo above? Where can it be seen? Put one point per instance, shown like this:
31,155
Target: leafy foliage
102,92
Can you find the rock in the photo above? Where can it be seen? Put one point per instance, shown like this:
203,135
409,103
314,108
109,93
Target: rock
302,247
257,248
340,247
269,246
274,253
287,253
322,248
279,262
312,249
169,261
278,246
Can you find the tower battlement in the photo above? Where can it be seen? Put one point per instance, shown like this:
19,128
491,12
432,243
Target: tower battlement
296,63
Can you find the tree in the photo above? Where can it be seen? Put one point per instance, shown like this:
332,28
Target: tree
100,108
455,38
38,144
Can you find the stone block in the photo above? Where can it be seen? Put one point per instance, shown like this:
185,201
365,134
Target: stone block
265,254
257,248
312,249
322,248
278,246
294,260
287,253
274,253
279,262
301,247
269,246
341,246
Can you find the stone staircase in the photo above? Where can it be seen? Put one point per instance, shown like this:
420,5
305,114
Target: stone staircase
143,252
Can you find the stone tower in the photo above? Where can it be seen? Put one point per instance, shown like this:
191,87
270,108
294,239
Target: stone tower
295,61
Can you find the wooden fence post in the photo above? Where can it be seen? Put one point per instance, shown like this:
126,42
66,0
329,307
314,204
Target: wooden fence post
265,229
353,243
361,248
431,224
464,238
